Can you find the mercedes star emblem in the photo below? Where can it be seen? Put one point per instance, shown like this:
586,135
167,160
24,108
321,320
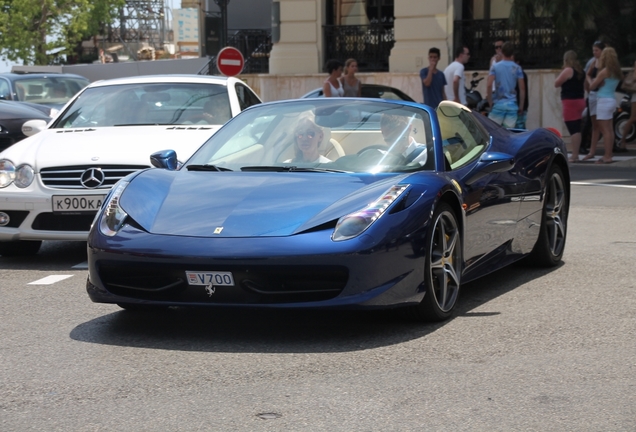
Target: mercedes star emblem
92,178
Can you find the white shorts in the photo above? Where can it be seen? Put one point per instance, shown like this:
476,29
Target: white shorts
605,108
591,101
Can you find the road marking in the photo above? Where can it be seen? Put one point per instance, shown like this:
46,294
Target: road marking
49,280
81,266
603,184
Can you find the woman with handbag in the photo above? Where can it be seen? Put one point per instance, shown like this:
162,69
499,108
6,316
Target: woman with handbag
629,85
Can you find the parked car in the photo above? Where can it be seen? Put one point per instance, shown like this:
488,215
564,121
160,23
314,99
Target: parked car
44,91
52,183
371,91
397,206
12,116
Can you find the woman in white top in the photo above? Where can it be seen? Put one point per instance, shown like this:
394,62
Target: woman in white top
308,136
332,86
351,85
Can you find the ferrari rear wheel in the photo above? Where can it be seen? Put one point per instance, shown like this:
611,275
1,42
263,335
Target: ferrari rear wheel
20,248
442,271
550,245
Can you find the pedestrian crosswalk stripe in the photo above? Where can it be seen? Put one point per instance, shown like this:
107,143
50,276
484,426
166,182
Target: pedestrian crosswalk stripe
50,280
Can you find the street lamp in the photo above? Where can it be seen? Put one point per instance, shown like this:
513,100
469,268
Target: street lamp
223,6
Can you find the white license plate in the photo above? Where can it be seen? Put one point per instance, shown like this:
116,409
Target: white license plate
210,278
77,203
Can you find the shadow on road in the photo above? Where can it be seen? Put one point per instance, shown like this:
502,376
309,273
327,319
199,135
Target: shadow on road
287,331
53,255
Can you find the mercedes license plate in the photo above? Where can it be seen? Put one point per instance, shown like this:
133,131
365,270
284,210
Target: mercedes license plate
77,203
210,278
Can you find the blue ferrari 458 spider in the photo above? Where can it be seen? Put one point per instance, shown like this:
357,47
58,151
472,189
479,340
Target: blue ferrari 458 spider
333,203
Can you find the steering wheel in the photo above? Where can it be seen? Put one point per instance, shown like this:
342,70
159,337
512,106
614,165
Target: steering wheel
386,158
373,147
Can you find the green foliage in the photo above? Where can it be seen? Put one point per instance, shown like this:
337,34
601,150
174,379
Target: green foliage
29,29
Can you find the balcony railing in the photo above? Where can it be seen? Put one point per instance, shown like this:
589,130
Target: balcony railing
540,46
370,45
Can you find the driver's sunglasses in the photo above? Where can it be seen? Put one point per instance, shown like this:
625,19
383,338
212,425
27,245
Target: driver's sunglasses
498,46
310,134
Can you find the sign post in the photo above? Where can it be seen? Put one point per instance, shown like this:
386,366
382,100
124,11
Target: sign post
230,61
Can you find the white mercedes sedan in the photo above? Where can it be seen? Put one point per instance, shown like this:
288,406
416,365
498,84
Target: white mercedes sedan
52,183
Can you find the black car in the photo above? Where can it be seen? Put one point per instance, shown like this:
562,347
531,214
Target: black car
371,91
12,116
48,89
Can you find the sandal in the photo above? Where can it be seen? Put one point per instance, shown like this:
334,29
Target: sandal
587,157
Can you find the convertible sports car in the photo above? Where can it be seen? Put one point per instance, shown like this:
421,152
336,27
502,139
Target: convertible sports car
52,183
333,203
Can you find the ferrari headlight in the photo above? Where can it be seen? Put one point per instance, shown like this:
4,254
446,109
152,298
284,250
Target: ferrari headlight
356,223
24,176
113,216
7,172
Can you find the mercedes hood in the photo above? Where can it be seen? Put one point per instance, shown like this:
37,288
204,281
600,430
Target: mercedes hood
124,145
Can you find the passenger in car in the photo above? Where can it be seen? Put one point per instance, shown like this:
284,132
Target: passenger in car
308,138
396,131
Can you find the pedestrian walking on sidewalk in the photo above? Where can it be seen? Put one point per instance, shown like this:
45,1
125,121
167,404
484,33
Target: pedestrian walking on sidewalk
572,83
629,84
605,84
455,82
332,86
506,75
433,80
350,83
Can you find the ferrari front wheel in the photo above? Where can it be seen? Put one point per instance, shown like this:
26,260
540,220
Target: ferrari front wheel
442,270
550,245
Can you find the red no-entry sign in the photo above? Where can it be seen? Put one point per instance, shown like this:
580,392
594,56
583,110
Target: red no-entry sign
230,61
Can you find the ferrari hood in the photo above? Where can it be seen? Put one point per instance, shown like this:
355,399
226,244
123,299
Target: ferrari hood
246,204
126,145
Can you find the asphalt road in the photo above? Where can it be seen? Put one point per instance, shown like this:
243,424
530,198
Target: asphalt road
530,349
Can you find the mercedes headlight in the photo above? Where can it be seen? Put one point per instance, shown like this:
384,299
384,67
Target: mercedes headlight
7,173
24,176
113,216
356,223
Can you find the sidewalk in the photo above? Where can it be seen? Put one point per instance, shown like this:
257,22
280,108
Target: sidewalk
626,159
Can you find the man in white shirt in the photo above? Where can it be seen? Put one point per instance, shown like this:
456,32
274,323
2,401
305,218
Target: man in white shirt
455,83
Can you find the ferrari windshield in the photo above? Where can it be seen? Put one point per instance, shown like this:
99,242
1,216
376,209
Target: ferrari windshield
323,136
148,104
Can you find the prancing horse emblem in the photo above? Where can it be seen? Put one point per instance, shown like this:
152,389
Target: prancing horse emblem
209,288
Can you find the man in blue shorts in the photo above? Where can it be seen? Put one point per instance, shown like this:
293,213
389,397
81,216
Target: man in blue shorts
433,80
506,75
